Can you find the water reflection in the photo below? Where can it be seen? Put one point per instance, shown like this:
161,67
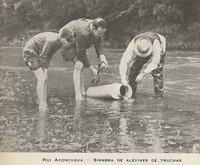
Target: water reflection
42,125
78,109
95,129
126,141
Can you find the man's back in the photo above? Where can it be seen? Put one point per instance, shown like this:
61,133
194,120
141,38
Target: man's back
79,26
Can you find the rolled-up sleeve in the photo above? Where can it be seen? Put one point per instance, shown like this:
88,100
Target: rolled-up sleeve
81,46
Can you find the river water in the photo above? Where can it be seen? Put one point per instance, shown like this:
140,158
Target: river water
145,125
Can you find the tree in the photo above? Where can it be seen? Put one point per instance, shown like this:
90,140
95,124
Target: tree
175,19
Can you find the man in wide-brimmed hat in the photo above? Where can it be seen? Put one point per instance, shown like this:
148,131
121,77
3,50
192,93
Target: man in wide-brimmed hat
144,47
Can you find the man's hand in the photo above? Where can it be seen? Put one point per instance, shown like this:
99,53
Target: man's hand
103,60
102,65
140,77
93,70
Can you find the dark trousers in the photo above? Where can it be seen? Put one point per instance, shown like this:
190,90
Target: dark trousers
157,74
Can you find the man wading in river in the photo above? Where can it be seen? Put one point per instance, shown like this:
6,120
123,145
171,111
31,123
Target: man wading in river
89,32
140,50
37,55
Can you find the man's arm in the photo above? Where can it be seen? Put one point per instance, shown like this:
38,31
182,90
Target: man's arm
124,67
155,58
154,63
99,50
98,45
43,57
46,50
163,43
81,53
81,50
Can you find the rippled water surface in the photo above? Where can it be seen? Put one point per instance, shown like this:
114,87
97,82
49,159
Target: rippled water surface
95,125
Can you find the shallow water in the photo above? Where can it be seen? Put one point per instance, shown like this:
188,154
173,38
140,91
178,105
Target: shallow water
149,125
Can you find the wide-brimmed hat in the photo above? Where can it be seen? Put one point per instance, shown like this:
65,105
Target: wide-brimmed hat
143,47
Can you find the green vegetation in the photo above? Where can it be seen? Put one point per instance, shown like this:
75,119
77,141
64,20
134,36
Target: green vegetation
177,20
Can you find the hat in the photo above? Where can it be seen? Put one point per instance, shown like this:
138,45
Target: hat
143,47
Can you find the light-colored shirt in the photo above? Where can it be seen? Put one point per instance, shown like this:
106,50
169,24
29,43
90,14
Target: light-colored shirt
159,48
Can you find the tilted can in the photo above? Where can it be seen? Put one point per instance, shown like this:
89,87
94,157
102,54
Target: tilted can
110,91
